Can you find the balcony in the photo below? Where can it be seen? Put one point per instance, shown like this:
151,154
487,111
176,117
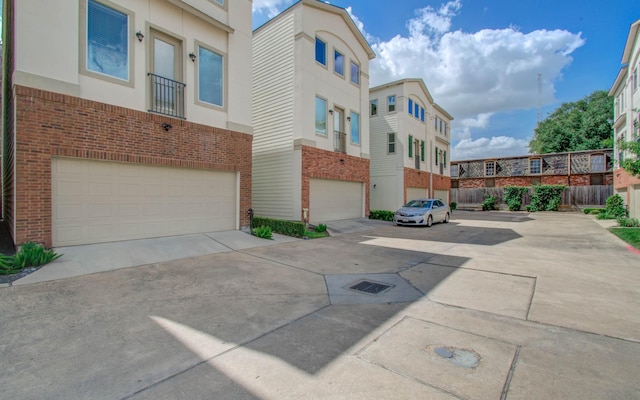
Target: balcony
340,142
167,96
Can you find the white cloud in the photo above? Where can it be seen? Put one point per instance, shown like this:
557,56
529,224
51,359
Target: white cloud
470,74
269,7
500,146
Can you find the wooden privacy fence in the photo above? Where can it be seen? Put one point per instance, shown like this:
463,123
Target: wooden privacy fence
595,195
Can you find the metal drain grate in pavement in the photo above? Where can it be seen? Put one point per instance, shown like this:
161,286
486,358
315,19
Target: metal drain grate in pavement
370,287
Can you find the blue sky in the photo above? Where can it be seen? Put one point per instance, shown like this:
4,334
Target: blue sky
480,59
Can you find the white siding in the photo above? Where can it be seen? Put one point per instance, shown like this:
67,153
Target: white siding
273,106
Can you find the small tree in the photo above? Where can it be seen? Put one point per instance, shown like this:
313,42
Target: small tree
513,196
631,164
546,198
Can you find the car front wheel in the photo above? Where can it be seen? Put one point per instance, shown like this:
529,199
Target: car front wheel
429,221
446,218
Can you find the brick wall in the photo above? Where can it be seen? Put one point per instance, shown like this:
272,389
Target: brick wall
623,179
51,124
323,164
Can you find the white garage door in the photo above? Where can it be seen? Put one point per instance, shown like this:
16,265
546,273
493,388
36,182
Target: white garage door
99,201
442,195
416,193
331,200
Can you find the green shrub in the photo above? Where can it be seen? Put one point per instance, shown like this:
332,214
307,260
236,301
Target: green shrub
489,203
626,222
546,197
30,255
289,228
321,228
513,196
453,205
263,232
593,211
383,215
615,207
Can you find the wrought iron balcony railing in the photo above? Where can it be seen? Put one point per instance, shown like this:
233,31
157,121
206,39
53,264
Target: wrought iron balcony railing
340,142
167,96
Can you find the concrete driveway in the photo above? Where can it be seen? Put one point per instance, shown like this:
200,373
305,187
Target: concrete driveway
490,306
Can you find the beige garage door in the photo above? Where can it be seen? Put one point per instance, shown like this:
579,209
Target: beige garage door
442,195
98,201
416,193
331,200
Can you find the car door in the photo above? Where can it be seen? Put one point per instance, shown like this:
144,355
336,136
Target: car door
438,211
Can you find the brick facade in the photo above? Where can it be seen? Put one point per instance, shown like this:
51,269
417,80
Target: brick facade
50,124
414,178
323,164
623,179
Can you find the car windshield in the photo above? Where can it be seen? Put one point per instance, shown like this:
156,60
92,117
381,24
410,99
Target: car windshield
419,204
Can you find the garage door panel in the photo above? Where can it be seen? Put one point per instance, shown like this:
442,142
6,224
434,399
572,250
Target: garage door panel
416,193
97,201
335,200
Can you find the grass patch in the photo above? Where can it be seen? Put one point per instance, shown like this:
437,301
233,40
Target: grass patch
629,235
315,235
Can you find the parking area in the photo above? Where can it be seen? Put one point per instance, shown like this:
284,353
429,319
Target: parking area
489,306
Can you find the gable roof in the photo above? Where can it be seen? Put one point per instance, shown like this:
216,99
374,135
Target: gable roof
321,5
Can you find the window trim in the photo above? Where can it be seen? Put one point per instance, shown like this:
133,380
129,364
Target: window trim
316,52
392,96
351,65
197,100
410,146
326,118
83,32
335,53
371,103
604,162
353,114
540,167
455,167
486,164
389,143
220,3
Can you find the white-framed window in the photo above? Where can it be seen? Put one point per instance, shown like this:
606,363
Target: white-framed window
355,73
338,63
597,163
391,143
489,168
391,103
355,128
321,116
373,107
106,33
454,170
210,77
535,166
321,51
410,107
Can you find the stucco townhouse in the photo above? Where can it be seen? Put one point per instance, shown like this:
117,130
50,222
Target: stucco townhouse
626,123
410,145
311,126
125,119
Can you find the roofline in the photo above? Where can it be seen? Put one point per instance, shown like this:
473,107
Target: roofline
442,110
628,48
321,5
622,75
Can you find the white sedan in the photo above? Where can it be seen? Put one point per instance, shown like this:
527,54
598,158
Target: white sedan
422,212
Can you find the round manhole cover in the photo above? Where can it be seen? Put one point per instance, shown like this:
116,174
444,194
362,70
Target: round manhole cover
460,357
